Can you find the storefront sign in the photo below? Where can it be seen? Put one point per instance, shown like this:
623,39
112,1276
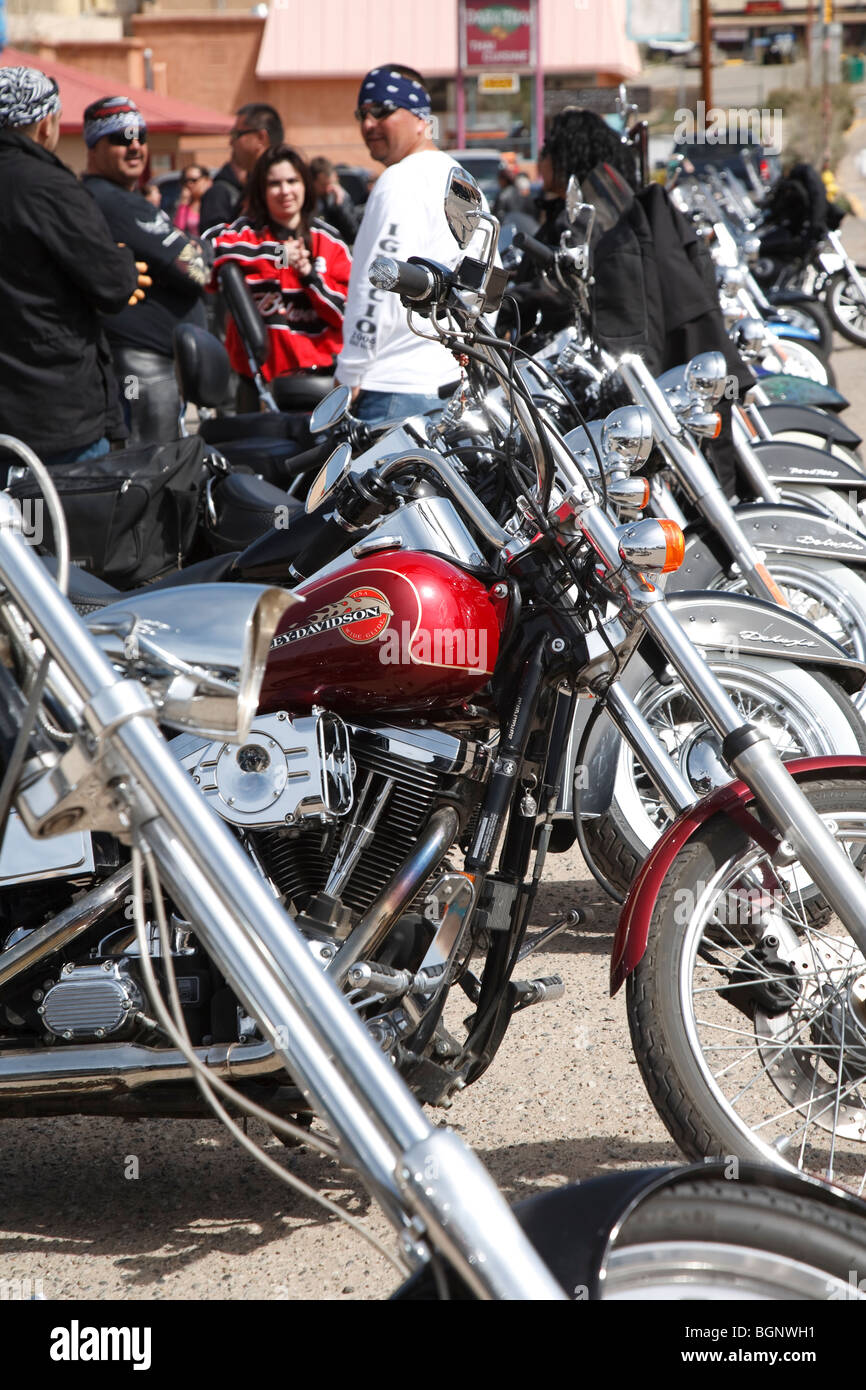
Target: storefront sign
507,82
497,36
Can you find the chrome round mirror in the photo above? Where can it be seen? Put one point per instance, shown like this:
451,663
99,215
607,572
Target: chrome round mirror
330,475
331,410
463,206
706,375
627,433
573,199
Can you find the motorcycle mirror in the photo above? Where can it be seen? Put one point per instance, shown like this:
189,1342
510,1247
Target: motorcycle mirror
329,477
573,199
463,206
331,410
706,375
203,675
628,434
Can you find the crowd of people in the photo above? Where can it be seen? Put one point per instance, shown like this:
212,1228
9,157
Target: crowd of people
102,274
98,276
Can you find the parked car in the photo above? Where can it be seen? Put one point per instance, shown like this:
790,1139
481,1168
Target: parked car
483,165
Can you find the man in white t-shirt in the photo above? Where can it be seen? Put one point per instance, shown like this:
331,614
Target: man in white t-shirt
392,372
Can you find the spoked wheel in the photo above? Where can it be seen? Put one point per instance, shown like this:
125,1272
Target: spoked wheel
734,1241
802,712
748,1009
831,596
846,308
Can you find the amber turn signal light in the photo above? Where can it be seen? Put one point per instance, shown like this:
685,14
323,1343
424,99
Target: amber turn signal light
651,544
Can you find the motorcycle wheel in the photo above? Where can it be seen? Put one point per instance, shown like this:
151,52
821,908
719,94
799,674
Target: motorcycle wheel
728,1240
748,1049
812,318
803,712
800,360
826,502
846,308
831,596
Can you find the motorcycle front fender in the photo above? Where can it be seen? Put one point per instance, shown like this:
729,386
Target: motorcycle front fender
741,625
780,387
634,922
808,418
790,296
792,530
800,463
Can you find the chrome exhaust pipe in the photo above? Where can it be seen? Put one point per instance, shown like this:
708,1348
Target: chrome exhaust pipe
65,926
121,1067
433,844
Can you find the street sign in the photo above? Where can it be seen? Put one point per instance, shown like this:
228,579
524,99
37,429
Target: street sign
500,82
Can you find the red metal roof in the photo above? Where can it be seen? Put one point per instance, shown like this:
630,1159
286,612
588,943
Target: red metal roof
78,88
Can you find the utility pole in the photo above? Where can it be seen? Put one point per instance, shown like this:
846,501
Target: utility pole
826,21
810,20
706,59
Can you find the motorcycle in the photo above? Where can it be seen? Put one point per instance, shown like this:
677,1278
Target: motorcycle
616,1238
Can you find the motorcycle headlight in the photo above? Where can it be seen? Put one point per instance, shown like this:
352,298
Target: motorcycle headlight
627,435
706,375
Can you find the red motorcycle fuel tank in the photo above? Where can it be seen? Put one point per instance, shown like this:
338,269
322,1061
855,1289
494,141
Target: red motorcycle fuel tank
400,630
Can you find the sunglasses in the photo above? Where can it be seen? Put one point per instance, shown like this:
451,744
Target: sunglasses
126,137
377,109
193,178
247,130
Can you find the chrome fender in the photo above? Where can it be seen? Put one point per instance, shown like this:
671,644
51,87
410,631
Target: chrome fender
800,463
777,529
633,927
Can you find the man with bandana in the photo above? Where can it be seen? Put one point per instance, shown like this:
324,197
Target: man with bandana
392,372
141,337
61,269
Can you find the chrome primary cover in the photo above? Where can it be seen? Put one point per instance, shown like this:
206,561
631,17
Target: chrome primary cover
286,771
91,1001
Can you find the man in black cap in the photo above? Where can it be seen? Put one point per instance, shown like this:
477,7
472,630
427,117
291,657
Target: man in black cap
141,337
61,270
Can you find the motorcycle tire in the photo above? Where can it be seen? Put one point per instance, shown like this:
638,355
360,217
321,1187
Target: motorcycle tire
830,595
801,360
814,319
698,1240
826,501
819,718
744,1054
846,308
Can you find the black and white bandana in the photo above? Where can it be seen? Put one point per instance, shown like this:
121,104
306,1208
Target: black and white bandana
26,96
110,115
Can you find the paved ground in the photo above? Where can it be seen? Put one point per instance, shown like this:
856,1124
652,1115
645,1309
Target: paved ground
174,1210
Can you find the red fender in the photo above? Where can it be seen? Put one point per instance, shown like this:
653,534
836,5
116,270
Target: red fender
633,927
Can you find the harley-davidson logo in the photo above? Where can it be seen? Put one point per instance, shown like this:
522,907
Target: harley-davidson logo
359,617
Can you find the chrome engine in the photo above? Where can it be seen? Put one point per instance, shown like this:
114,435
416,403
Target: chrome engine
331,809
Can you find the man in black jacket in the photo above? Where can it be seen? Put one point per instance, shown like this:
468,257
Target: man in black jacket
60,269
141,337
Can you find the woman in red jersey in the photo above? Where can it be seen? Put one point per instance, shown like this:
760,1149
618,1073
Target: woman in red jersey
297,270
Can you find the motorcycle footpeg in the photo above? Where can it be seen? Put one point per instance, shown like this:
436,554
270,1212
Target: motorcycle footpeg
540,991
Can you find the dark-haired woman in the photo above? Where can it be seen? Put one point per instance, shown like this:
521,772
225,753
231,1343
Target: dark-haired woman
296,268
